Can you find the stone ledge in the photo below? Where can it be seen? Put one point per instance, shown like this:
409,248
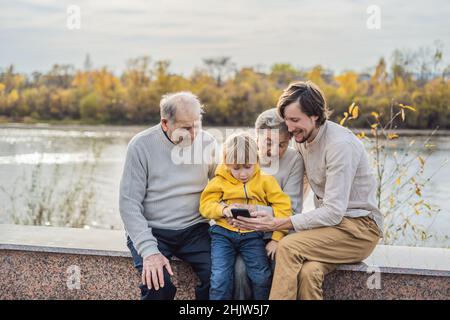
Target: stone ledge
107,271
390,259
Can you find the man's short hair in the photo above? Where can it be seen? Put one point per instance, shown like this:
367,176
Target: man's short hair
309,97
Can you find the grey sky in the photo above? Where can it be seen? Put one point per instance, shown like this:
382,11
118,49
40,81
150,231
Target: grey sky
33,34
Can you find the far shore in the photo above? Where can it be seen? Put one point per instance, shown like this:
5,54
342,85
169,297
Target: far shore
134,128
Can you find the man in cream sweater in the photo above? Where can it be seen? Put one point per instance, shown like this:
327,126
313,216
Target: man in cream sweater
166,169
346,224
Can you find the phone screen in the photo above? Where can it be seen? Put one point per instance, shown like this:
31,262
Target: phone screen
240,212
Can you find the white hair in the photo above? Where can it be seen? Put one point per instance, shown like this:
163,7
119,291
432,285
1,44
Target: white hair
171,102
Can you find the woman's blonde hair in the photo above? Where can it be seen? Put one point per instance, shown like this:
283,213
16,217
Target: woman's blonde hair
240,148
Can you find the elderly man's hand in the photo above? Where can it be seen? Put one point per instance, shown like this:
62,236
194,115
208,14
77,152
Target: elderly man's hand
153,270
262,221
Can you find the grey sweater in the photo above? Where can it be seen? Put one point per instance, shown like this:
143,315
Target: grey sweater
340,175
158,192
290,177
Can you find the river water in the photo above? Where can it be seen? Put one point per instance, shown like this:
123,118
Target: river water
59,169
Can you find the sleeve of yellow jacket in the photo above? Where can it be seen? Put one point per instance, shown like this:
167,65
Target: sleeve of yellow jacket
280,202
210,206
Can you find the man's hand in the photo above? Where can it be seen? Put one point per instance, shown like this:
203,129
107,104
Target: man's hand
153,270
228,215
262,221
271,248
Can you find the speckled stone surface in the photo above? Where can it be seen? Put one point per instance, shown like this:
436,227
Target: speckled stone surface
43,275
351,285
34,264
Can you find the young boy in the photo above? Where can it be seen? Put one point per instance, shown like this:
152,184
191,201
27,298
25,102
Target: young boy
238,180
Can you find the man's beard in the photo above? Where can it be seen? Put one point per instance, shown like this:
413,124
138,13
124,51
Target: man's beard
306,137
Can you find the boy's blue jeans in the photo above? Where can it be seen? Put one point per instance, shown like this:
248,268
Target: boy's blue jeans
225,245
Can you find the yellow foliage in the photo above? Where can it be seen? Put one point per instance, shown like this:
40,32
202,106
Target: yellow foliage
361,135
355,112
348,83
392,136
13,96
232,96
418,191
421,161
391,201
407,107
350,108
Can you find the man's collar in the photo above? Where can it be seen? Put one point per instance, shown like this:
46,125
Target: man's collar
165,134
318,137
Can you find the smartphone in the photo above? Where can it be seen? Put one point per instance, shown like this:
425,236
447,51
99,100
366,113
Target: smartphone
240,212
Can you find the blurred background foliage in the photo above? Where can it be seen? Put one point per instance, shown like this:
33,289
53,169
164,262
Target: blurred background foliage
232,96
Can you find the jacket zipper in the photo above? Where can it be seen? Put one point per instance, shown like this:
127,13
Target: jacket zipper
246,196
246,201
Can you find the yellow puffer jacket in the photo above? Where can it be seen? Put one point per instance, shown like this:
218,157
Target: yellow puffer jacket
261,189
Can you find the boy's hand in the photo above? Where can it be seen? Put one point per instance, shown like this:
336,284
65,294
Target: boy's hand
271,248
226,212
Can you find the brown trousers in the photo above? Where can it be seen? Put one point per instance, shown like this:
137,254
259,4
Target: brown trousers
304,258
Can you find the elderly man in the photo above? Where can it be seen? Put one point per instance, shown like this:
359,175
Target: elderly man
346,224
159,197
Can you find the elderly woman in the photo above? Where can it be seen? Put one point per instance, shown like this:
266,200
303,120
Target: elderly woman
277,158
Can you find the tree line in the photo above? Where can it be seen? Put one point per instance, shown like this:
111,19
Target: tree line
232,96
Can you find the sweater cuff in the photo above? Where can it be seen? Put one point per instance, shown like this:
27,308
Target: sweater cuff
148,251
299,222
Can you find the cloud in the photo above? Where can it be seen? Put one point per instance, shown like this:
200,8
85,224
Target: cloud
33,34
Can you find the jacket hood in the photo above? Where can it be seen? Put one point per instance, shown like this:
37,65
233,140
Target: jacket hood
223,171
